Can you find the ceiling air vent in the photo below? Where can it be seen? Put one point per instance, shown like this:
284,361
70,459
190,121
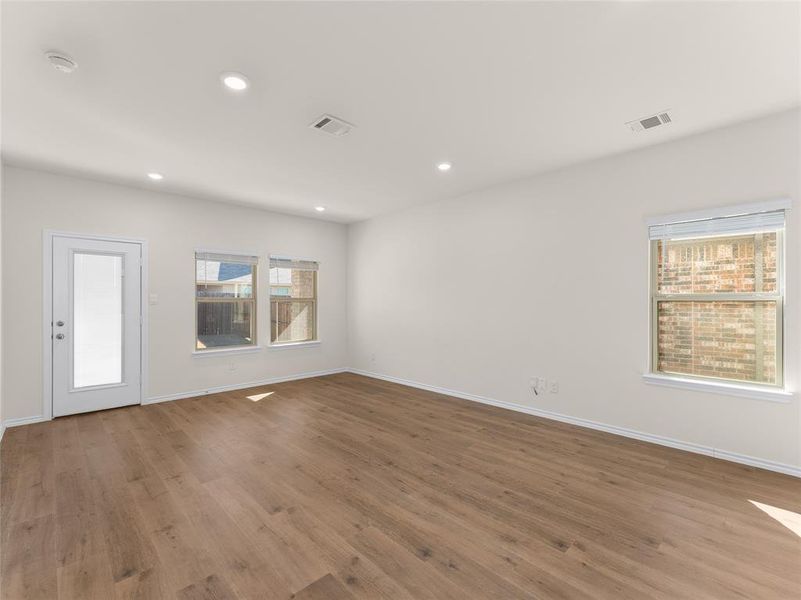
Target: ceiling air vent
332,125
661,118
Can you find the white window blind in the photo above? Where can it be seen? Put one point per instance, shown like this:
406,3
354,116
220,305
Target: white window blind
753,223
277,262
227,258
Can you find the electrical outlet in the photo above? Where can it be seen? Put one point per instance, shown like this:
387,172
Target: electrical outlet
232,366
372,357
540,385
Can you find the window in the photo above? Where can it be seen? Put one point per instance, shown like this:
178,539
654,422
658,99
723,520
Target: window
293,300
717,298
225,299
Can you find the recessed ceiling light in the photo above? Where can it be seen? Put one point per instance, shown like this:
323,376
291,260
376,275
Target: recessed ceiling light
444,166
155,176
235,81
319,208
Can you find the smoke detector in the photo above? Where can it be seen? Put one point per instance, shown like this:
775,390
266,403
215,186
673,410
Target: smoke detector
332,125
61,62
660,118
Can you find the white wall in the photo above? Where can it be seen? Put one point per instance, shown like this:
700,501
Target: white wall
174,227
420,284
569,251
2,425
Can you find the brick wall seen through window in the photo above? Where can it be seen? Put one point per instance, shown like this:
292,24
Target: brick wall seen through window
728,338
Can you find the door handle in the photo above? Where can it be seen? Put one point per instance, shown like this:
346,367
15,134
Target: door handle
59,336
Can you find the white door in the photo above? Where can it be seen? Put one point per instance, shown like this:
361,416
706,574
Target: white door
96,324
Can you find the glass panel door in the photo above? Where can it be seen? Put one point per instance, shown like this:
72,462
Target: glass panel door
95,324
97,318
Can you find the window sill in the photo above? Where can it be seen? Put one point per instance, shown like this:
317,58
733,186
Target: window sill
730,389
287,345
227,351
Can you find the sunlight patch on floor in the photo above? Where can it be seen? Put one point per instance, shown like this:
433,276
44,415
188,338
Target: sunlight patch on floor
791,520
257,397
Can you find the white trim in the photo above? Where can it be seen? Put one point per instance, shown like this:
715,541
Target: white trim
144,330
623,431
47,316
227,351
24,421
722,211
2,430
242,386
92,236
720,387
47,303
287,345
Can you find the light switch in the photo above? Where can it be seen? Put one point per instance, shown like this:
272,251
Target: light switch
154,298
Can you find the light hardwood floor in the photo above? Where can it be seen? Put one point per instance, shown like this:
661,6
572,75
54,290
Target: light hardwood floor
344,487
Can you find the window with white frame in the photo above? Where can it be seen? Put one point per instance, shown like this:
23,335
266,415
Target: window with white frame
293,300
717,297
225,300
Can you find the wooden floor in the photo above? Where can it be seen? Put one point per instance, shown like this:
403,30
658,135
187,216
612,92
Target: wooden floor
344,487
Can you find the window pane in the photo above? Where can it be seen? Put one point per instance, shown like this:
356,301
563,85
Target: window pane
215,279
293,306
224,323
731,340
97,318
292,320
742,263
280,276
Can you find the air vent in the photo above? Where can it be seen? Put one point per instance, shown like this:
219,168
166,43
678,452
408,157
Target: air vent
662,118
332,125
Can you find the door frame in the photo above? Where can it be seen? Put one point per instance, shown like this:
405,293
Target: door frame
47,311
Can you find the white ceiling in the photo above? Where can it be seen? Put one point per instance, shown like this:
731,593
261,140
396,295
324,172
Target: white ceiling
503,90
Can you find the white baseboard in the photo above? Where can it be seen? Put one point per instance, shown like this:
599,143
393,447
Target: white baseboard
22,421
241,386
630,433
180,395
